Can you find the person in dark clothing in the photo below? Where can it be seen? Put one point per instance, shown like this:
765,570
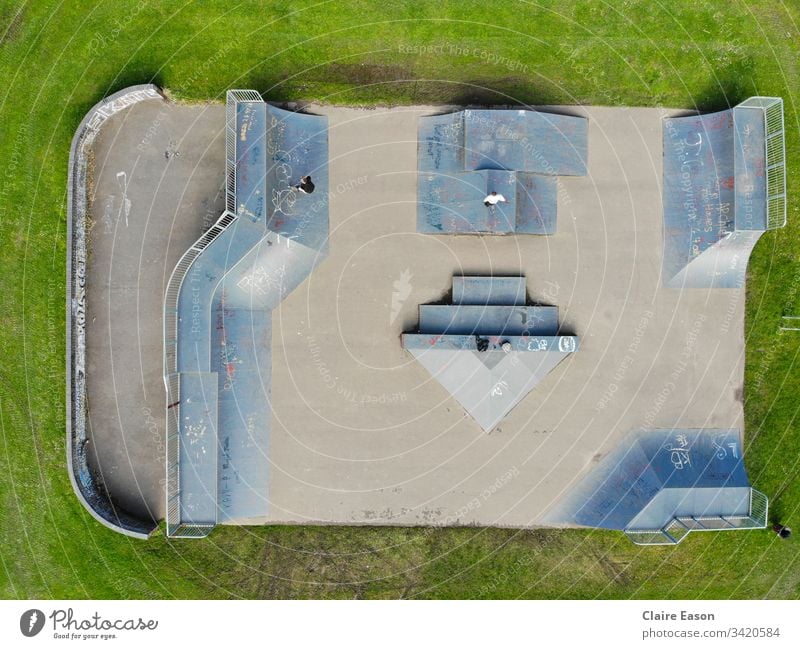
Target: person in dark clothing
782,531
305,185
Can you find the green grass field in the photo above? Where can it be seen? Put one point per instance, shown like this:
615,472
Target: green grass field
58,59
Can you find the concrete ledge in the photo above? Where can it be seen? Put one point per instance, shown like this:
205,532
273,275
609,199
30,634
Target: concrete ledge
88,489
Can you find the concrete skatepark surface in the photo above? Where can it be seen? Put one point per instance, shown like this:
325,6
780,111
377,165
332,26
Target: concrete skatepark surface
361,433
156,186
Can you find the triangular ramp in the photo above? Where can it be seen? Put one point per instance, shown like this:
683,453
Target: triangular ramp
489,383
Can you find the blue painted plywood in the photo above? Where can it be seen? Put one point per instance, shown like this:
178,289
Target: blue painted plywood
225,303
698,191
198,448
488,350
462,157
525,140
750,152
489,290
656,475
488,319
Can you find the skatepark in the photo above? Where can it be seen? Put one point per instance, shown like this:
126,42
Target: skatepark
355,428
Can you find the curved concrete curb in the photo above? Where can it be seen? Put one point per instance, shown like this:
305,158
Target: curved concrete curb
91,493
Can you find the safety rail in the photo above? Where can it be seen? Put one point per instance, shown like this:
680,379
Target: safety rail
775,163
677,530
759,508
790,323
680,526
650,537
230,154
233,98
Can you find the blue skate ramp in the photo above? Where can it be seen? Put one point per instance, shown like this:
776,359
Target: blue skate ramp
656,475
268,241
698,187
298,146
722,171
454,203
509,291
464,156
198,451
537,200
488,319
242,365
440,143
750,183
251,159
525,140
488,349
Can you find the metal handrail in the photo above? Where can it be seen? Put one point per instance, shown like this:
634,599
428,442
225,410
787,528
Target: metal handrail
775,157
756,518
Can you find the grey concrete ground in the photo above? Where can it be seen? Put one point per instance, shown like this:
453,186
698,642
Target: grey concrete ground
157,182
361,433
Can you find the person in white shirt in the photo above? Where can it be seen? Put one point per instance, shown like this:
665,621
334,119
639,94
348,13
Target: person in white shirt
493,199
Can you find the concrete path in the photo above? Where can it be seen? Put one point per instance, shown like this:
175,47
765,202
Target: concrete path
158,183
361,433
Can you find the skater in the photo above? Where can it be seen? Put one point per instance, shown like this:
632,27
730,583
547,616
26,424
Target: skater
305,185
493,199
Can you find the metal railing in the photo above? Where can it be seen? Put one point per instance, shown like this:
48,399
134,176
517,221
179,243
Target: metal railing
775,160
790,323
680,526
759,508
233,99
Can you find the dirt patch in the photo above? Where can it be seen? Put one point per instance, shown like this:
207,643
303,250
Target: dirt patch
542,537
365,73
328,563
490,91
614,570
10,25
